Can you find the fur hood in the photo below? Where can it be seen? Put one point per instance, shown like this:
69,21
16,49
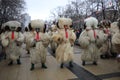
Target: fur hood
37,24
11,24
91,22
64,21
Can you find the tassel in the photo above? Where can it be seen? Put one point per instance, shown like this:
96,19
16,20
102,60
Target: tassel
12,36
94,34
37,37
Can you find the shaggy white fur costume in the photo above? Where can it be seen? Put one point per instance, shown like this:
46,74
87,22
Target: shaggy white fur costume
116,42
91,40
39,53
29,38
40,50
4,40
12,50
106,46
114,28
91,45
53,44
115,37
64,51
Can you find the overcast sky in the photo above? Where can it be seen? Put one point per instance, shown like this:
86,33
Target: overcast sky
40,9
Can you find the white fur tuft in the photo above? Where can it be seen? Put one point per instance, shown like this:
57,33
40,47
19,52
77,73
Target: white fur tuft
91,22
84,40
53,27
13,24
5,42
114,27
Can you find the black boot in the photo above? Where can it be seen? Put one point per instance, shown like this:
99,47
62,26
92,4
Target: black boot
83,63
10,63
44,66
61,66
94,63
18,61
70,64
32,67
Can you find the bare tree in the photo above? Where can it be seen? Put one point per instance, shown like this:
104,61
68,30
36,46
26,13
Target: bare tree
11,10
118,7
78,10
57,12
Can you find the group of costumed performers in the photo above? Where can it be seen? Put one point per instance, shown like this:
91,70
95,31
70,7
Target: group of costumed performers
99,40
37,41
94,40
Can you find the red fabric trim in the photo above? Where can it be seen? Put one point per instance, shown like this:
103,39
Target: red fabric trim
94,33
12,35
66,32
37,36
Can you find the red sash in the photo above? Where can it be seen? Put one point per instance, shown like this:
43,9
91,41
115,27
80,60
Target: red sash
12,35
66,32
94,33
37,37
